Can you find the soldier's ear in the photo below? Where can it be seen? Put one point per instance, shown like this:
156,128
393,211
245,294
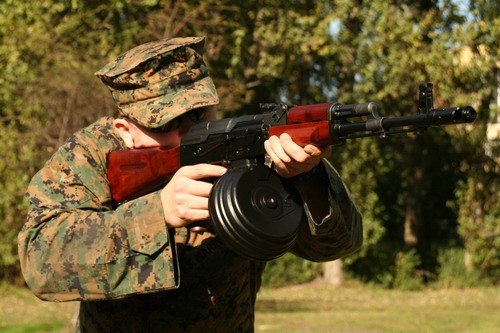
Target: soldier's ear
122,126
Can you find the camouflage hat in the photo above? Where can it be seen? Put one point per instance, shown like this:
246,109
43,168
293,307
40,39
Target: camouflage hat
158,81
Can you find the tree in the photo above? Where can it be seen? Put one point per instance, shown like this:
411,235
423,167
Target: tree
16,116
478,202
398,45
48,52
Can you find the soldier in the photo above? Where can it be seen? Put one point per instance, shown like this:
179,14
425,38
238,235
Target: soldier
136,267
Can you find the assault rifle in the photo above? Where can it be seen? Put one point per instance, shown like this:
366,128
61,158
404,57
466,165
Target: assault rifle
253,210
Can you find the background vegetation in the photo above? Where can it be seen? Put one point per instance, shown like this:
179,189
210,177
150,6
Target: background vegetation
430,203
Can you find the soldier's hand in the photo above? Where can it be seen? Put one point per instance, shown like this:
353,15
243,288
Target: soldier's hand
185,197
289,159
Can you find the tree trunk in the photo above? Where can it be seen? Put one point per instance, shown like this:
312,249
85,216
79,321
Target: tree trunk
413,217
469,267
333,274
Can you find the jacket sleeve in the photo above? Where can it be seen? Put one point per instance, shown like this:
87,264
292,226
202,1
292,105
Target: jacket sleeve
74,246
330,231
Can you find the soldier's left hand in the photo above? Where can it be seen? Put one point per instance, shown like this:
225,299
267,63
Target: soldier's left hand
289,159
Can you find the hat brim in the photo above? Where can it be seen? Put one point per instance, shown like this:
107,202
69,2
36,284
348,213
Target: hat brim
156,112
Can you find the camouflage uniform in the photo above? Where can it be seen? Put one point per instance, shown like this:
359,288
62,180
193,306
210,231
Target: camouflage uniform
130,272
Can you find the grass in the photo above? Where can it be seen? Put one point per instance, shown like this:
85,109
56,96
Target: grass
358,309
308,308
21,312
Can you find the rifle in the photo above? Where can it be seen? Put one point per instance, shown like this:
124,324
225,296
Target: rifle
253,210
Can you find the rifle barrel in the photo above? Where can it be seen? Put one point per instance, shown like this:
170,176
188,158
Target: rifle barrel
435,117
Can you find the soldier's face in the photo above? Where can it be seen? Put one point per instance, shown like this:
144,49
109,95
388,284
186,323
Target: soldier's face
147,139
136,136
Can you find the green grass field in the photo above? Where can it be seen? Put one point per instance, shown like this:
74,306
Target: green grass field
308,308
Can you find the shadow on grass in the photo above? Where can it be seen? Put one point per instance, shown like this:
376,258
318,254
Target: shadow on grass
268,305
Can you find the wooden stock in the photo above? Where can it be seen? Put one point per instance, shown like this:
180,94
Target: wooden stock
135,172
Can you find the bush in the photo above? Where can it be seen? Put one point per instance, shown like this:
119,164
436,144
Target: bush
406,275
290,270
479,220
453,272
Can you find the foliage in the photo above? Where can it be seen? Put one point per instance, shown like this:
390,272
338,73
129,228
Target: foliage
47,54
290,270
11,202
425,40
393,179
480,223
16,157
406,275
477,197
362,186
453,272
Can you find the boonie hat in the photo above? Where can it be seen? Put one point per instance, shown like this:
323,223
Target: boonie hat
158,81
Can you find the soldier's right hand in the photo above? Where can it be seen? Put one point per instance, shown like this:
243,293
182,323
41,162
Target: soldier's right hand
185,197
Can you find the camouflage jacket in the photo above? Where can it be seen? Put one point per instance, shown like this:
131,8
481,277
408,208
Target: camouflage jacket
132,273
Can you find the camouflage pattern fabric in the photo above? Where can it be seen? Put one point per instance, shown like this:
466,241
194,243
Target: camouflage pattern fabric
158,81
132,273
